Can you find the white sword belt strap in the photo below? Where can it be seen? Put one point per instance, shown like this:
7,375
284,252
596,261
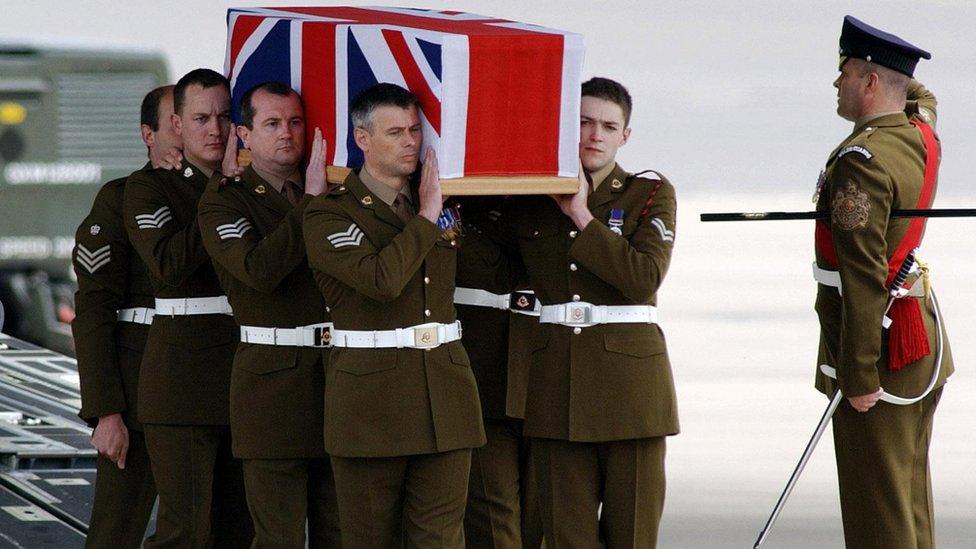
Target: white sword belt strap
581,314
422,336
832,279
523,301
182,306
137,315
313,335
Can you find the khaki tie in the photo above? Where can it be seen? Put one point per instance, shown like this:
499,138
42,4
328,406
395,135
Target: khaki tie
292,192
402,207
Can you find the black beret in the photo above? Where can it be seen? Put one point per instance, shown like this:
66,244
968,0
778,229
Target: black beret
860,40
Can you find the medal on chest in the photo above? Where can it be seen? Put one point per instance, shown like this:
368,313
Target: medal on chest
821,181
616,220
449,221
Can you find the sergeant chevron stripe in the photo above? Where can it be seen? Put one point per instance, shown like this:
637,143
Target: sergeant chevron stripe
92,261
236,229
349,237
155,220
666,235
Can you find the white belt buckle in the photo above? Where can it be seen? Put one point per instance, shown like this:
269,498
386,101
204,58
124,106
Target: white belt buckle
579,313
426,336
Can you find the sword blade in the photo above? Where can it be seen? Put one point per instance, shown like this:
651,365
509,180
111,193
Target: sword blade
804,458
788,216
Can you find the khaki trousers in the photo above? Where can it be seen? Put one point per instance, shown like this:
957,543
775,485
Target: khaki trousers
123,499
201,488
284,494
883,472
502,509
626,477
406,501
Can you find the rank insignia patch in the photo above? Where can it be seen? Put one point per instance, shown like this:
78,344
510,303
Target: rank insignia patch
93,260
850,208
349,237
662,229
155,220
236,229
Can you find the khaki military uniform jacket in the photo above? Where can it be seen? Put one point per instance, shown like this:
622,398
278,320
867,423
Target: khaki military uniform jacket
386,275
878,168
486,329
609,381
110,277
185,378
254,236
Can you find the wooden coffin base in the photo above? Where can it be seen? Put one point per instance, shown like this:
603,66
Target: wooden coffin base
488,185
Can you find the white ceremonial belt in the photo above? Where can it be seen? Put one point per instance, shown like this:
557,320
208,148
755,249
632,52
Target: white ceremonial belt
313,335
582,314
422,336
522,302
137,315
832,279
181,306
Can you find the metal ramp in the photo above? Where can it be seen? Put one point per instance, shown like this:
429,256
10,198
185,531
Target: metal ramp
47,464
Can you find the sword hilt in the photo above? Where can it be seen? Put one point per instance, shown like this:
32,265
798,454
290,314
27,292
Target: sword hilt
902,274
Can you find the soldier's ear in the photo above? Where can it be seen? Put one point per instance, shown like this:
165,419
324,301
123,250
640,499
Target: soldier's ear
244,133
177,124
148,136
362,138
626,137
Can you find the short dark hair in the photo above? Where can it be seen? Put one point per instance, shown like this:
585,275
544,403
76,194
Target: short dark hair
149,113
379,95
611,90
273,87
204,78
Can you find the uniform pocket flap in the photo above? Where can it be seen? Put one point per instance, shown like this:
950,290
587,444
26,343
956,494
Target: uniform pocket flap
458,354
636,345
363,362
265,359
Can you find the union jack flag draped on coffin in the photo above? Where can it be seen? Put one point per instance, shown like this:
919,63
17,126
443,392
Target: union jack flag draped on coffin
498,97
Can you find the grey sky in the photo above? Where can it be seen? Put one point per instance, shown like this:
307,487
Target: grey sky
729,95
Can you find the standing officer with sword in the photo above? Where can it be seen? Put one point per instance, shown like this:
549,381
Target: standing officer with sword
881,331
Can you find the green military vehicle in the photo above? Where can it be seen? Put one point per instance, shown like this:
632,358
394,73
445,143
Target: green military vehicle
69,121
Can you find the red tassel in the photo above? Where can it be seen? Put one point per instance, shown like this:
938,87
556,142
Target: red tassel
907,339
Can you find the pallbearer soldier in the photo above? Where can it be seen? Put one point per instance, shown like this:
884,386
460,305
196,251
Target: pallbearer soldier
498,489
114,308
600,396
252,227
401,406
889,161
185,381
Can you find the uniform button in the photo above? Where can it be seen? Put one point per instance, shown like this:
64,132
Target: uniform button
576,297
454,243
572,267
535,233
572,234
328,310
427,312
426,280
577,331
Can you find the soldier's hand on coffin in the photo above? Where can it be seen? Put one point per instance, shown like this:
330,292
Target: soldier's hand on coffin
315,181
431,198
229,166
864,403
170,161
574,205
111,439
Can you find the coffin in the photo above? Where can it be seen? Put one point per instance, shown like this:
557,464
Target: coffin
500,98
